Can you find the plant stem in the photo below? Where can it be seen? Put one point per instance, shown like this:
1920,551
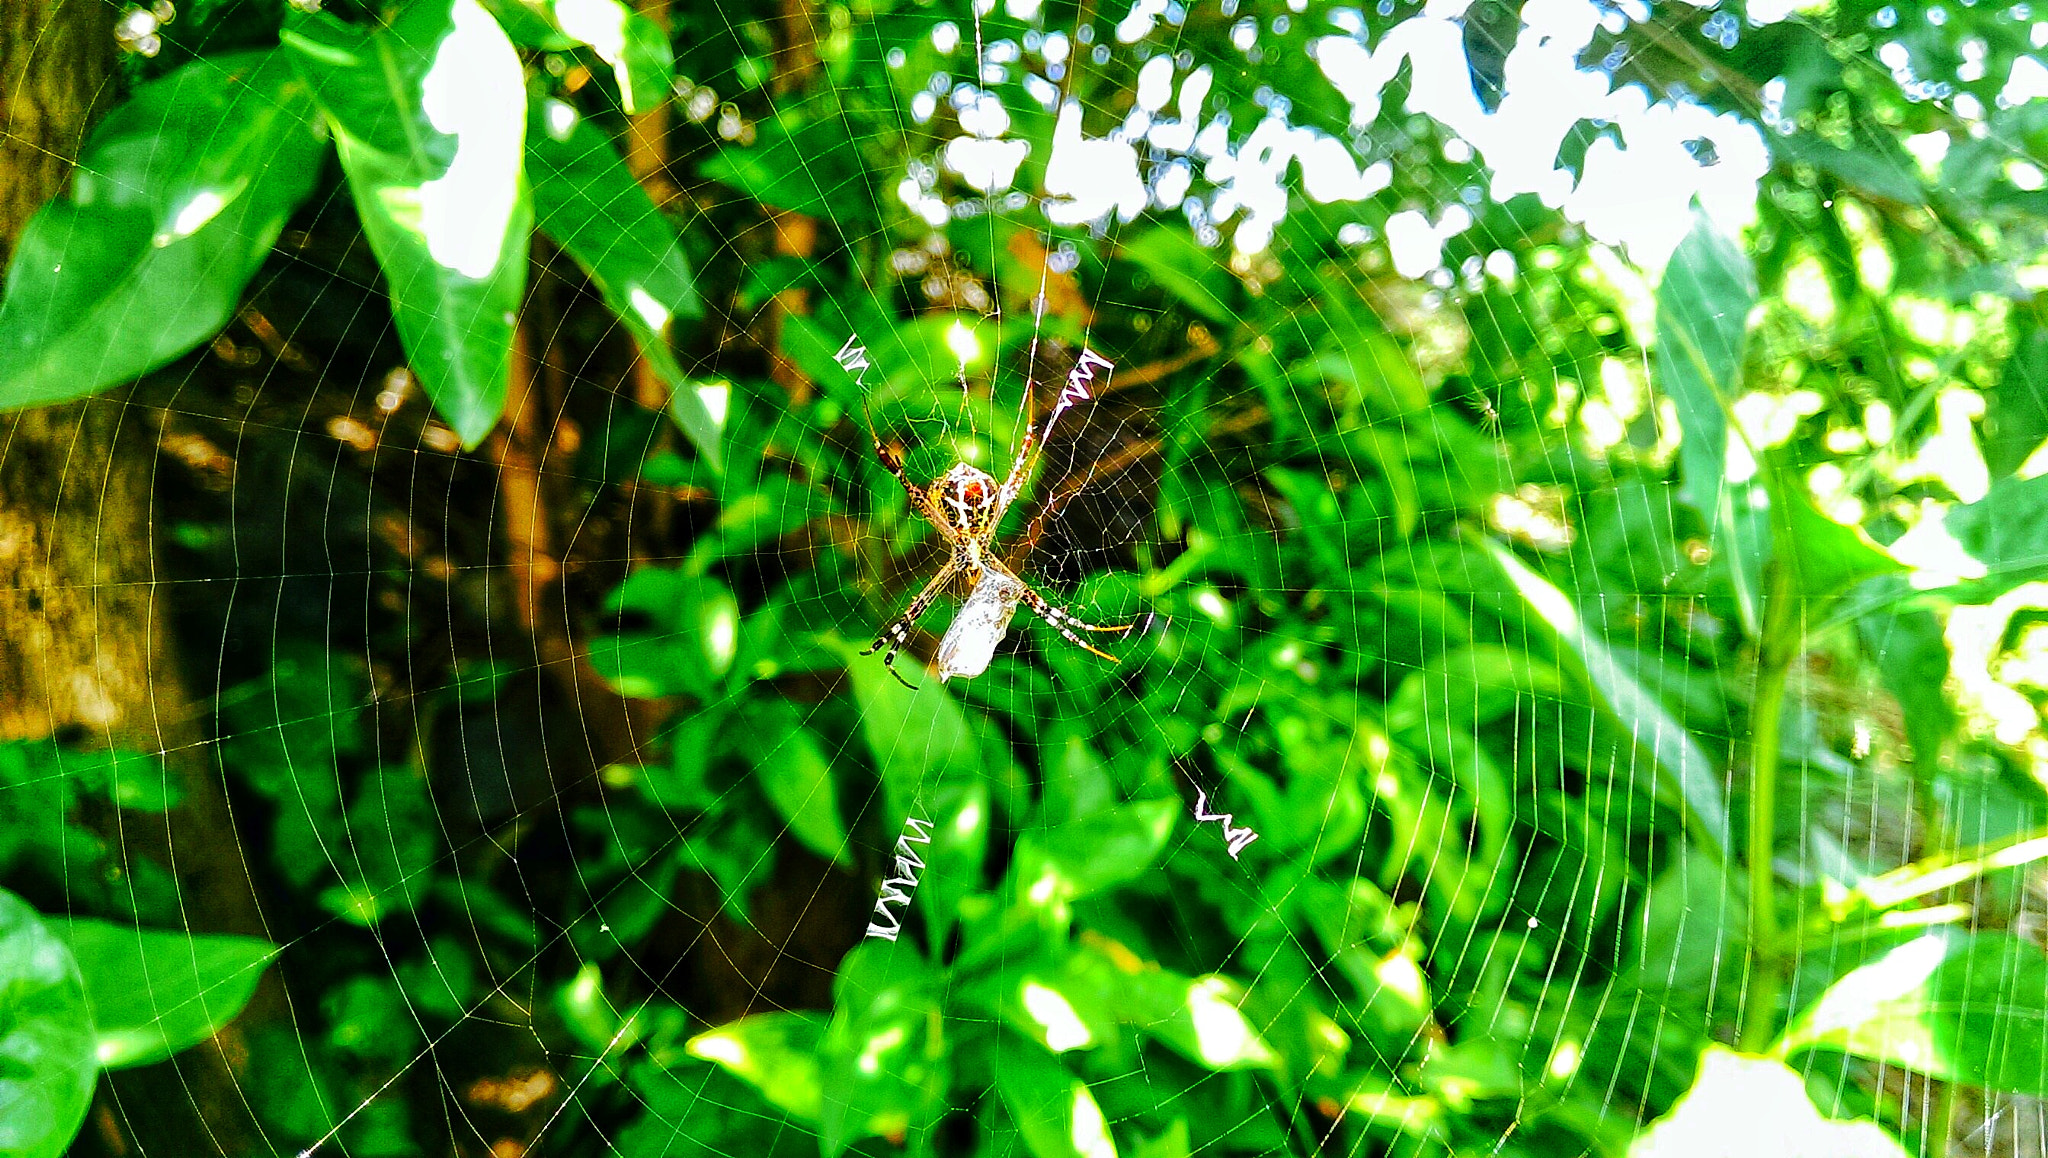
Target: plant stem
1777,649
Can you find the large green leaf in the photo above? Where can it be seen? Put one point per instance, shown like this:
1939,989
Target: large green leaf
920,738
179,195
1053,1109
1754,1107
883,1064
47,1066
586,200
1962,1006
794,771
1683,765
429,113
1702,321
1185,270
153,992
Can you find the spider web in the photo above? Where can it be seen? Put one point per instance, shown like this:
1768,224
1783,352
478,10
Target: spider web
582,886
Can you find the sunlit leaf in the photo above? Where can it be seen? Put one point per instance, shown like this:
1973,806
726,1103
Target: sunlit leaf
46,1035
1829,557
883,1065
2016,406
680,638
1753,1107
1961,1006
429,112
153,992
919,738
776,1053
635,46
178,197
1201,1018
1052,1108
2004,535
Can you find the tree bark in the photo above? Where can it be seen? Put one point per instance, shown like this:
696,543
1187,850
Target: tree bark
85,650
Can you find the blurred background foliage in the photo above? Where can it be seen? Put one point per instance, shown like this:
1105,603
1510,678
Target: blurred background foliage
1588,522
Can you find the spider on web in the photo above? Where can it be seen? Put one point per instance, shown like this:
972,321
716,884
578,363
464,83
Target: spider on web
966,505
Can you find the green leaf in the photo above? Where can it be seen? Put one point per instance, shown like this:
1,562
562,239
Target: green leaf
1960,1006
776,1053
290,725
392,845
429,113
797,777
1052,1108
803,162
1702,323
1184,269
1683,765
178,197
2016,406
918,737
2004,534
153,992
46,1037
135,780
1830,558
586,200
1753,1107
1910,652
1098,852
688,640
367,1016
1201,1018
1066,1004
883,1063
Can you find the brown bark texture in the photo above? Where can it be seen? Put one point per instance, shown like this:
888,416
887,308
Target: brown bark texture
85,650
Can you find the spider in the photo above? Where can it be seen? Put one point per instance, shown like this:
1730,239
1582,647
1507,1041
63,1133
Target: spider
966,505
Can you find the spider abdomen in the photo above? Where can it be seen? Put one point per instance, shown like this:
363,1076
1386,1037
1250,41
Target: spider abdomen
984,619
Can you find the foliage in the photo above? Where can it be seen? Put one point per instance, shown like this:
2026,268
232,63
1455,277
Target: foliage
1495,599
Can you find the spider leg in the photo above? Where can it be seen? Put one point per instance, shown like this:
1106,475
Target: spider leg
897,633
1013,483
1061,621
916,494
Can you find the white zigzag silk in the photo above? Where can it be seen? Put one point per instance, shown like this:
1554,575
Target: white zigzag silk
897,889
1237,837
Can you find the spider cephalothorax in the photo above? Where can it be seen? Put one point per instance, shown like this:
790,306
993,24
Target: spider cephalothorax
966,505
966,498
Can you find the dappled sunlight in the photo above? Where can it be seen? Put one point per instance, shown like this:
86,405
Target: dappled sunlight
463,213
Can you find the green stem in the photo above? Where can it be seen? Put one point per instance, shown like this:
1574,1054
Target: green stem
1777,649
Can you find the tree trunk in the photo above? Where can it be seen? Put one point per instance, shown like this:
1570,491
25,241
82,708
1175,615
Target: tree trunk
85,652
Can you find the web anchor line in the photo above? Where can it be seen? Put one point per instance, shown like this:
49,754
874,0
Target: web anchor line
1237,838
897,889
